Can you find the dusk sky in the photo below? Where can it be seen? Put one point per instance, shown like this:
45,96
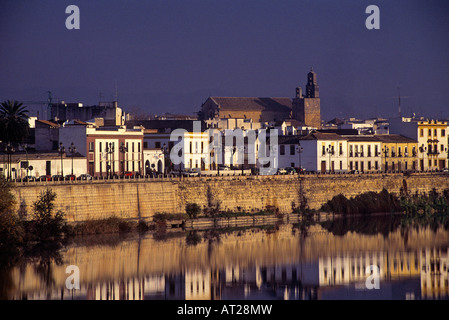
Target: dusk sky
169,56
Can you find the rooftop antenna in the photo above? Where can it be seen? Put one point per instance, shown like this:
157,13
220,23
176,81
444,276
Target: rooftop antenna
49,105
116,91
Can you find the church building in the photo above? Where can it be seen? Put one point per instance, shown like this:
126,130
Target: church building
305,109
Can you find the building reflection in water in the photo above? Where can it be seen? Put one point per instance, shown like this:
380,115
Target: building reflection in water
252,264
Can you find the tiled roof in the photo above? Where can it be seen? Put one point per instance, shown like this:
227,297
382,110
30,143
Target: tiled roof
253,103
323,136
48,123
394,138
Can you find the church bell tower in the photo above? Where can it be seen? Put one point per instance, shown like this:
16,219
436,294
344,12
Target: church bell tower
307,108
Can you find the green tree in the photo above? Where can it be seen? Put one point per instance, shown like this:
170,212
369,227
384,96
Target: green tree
10,226
47,224
14,124
193,210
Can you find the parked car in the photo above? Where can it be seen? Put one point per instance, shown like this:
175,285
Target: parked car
445,170
70,177
190,173
84,176
282,171
290,170
29,178
223,168
300,170
44,178
57,177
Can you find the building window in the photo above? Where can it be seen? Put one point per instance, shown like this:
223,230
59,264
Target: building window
145,145
132,145
430,132
191,149
282,150
442,148
435,132
292,149
369,150
421,133
138,146
157,144
376,165
341,149
369,165
350,151
91,146
323,150
443,132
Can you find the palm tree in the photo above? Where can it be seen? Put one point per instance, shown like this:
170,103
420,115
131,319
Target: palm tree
13,121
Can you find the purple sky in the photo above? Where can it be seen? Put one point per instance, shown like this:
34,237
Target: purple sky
169,56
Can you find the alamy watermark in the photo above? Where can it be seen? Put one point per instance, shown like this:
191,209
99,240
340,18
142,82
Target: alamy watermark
72,21
73,280
373,20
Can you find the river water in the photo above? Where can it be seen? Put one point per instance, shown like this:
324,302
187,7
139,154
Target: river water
383,257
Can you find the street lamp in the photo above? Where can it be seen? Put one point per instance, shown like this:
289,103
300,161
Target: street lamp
123,150
242,157
423,150
61,151
110,152
385,151
330,151
72,150
300,150
25,146
9,150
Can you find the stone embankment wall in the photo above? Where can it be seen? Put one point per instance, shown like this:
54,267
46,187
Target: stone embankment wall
142,198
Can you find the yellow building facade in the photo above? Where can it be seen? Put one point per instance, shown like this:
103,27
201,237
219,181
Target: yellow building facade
399,153
433,145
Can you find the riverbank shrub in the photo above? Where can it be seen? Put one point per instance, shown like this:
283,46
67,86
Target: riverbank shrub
369,202
112,224
193,210
426,203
